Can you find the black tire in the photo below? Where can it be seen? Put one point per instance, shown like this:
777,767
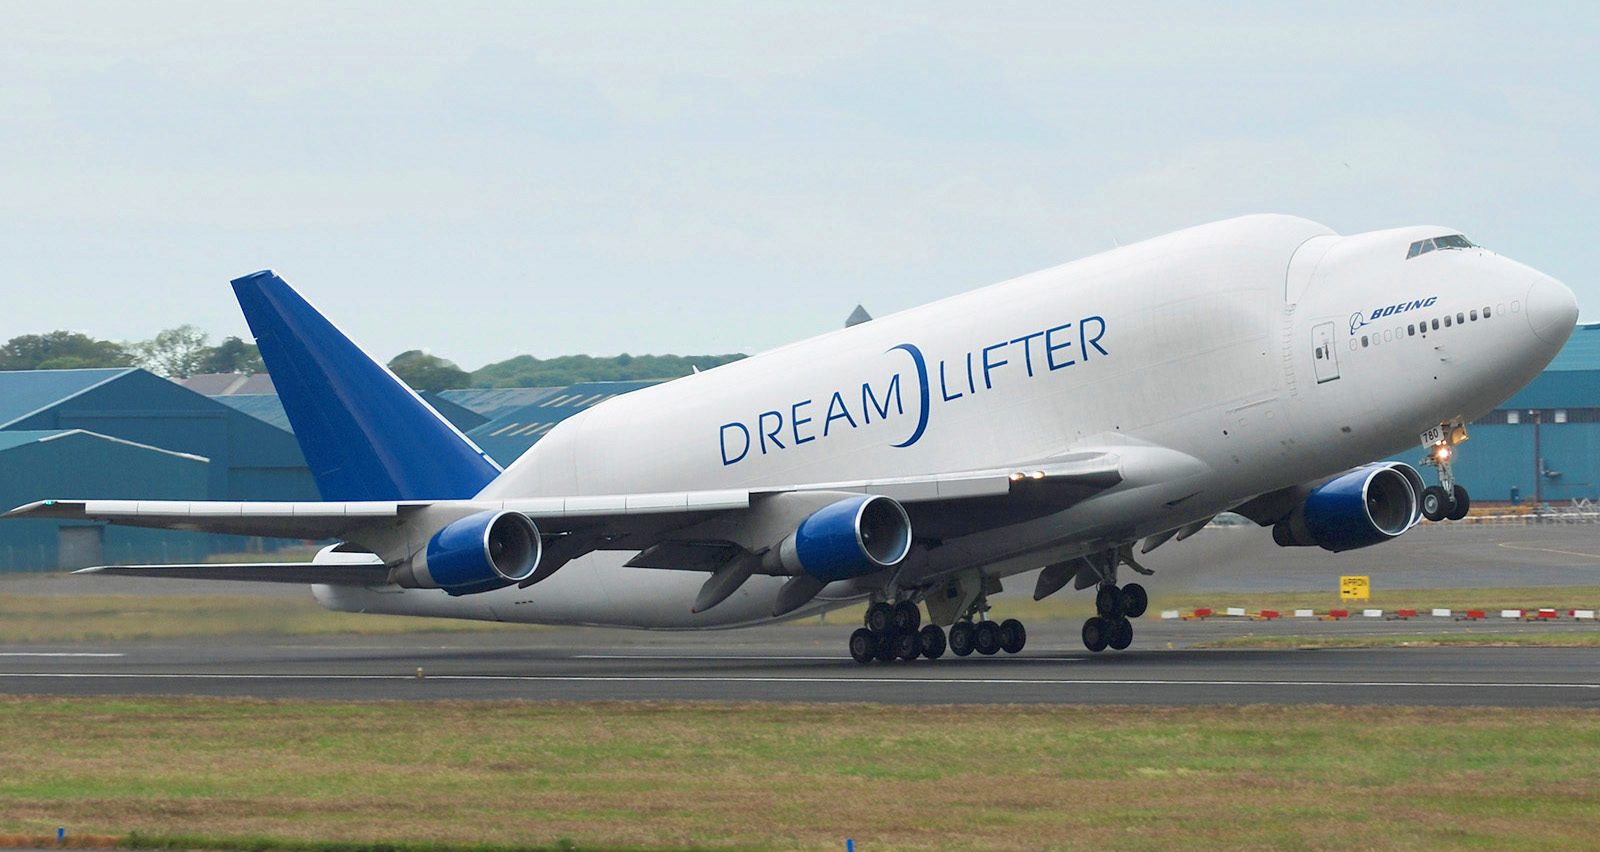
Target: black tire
1094,634
884,648
1012,636
905,644
1460,505
1137,598
961,638
986,640
1110,602
879,617
930,641
863,646
1435,503
1121,635
906,616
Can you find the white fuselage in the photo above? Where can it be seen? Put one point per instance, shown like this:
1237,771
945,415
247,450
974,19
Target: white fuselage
1249,345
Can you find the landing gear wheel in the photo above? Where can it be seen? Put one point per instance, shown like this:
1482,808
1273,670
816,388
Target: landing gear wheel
961,638
905,644
1137,598
1110,602
931,642
1121,634
986,640
863,646
906,616
1012,636
1435,503
1459,506
884,649
879,617
1095,632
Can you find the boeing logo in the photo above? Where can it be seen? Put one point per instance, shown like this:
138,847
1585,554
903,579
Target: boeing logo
1358,319
889,399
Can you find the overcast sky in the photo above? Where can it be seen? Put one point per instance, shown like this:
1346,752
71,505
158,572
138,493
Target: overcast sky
487,180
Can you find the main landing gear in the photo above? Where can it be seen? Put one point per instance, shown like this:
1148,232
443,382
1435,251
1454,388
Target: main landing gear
1447,499
894,632
1112,627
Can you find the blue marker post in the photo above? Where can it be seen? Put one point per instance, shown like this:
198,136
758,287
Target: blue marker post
61,835
849,844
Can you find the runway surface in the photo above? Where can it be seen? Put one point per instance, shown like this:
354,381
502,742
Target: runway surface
808,663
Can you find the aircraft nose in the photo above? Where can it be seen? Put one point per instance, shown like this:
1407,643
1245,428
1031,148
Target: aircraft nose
1552,310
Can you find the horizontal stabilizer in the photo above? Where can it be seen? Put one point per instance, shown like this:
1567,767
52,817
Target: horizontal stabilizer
298,573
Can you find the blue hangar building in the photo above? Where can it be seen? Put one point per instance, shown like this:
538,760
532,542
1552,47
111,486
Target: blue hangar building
125,433
1543,444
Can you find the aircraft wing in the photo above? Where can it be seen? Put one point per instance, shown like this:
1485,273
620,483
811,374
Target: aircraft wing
618,521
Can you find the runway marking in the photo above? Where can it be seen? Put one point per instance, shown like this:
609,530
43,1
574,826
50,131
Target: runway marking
864,681
55,654
1510,546
767,658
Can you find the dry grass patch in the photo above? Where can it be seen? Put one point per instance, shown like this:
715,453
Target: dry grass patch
804,776
1508,640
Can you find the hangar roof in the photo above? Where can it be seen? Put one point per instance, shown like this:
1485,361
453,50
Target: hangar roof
492,402
24,392
514,430
22,437
229,384
1582,351
261,406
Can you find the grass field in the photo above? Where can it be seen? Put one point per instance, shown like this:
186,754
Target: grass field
70,618
65,618
793,777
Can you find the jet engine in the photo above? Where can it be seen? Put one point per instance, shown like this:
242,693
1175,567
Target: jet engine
850,538
1360,508
479,553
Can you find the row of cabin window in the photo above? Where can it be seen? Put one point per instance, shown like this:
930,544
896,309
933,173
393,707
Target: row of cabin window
1460,318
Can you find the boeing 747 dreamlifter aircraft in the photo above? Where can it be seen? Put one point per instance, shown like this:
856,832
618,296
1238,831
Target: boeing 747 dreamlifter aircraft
1058,420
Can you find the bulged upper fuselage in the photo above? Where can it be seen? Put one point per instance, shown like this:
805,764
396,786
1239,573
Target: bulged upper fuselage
1266,347
1259,353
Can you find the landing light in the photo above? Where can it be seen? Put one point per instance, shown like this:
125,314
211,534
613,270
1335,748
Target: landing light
1038,474
1018,477
1442,453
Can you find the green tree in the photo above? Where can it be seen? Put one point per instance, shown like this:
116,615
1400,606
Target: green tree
62,350
526,371
232,355
424,372
175,352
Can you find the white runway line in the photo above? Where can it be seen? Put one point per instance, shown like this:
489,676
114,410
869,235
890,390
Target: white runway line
863,681
55,654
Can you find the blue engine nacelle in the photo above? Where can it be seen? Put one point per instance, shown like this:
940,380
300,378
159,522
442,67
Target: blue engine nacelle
480,553
1360,508
851,538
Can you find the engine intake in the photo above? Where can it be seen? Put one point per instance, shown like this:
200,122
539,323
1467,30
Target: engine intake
853,537
1360,508
480,553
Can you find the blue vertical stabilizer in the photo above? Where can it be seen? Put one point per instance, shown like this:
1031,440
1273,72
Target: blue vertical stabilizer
365,434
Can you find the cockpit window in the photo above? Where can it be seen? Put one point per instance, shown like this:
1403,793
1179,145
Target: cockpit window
1451,241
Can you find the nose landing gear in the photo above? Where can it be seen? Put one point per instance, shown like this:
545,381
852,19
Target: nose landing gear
1116,606
1447,500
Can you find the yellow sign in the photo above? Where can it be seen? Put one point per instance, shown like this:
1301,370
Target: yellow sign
1355,588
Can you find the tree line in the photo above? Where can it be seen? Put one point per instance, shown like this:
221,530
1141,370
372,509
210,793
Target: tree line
186,351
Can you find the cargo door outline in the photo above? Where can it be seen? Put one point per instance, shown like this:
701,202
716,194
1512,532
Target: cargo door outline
1324,355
